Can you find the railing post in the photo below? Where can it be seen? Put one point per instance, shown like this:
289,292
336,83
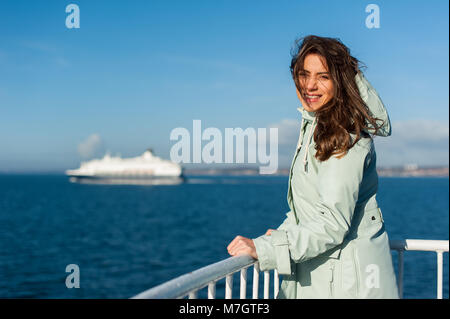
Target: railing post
266,284
243,290
439,274
229,286
193,295
276,283
400,274
255,280
212,290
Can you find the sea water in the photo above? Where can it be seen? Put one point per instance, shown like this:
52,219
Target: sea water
126,239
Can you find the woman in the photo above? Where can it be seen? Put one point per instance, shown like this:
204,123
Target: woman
333,243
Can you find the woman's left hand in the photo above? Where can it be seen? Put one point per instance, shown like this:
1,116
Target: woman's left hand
242,246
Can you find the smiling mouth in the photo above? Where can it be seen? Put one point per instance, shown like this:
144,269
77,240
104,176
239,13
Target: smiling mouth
312,98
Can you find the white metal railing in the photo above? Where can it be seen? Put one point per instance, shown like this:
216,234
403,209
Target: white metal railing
438,246
189,284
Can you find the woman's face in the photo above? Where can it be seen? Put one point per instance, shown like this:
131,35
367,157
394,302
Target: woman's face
315,82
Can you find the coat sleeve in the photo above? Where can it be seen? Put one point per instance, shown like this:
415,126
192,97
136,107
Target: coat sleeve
338,185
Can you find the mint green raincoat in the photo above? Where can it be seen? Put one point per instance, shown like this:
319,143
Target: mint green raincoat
333,243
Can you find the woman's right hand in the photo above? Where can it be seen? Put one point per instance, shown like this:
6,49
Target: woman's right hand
269,232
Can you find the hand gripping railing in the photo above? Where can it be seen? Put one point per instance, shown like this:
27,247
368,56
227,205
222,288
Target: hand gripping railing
190,283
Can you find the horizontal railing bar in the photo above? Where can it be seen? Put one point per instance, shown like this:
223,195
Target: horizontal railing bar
181,286
419,245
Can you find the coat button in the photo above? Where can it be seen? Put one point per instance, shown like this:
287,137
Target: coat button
373,217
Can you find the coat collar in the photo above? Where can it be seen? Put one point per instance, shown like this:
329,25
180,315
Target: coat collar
308,116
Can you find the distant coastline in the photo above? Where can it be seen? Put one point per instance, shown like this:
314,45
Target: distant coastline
401,171
437,171
397,171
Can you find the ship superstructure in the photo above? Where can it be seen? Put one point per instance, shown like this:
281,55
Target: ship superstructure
145,166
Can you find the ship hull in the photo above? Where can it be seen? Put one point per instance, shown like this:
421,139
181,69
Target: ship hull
124,176
127,180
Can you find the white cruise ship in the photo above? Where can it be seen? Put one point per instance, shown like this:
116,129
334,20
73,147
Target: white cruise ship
144,169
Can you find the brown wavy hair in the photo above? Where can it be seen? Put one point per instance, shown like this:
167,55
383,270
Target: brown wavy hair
346,112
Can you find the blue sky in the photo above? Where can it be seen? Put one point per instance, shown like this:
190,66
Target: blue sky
135,70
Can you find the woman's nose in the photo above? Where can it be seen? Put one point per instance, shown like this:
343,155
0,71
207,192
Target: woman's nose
311,83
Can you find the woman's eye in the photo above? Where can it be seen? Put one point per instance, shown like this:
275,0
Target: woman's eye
324,77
